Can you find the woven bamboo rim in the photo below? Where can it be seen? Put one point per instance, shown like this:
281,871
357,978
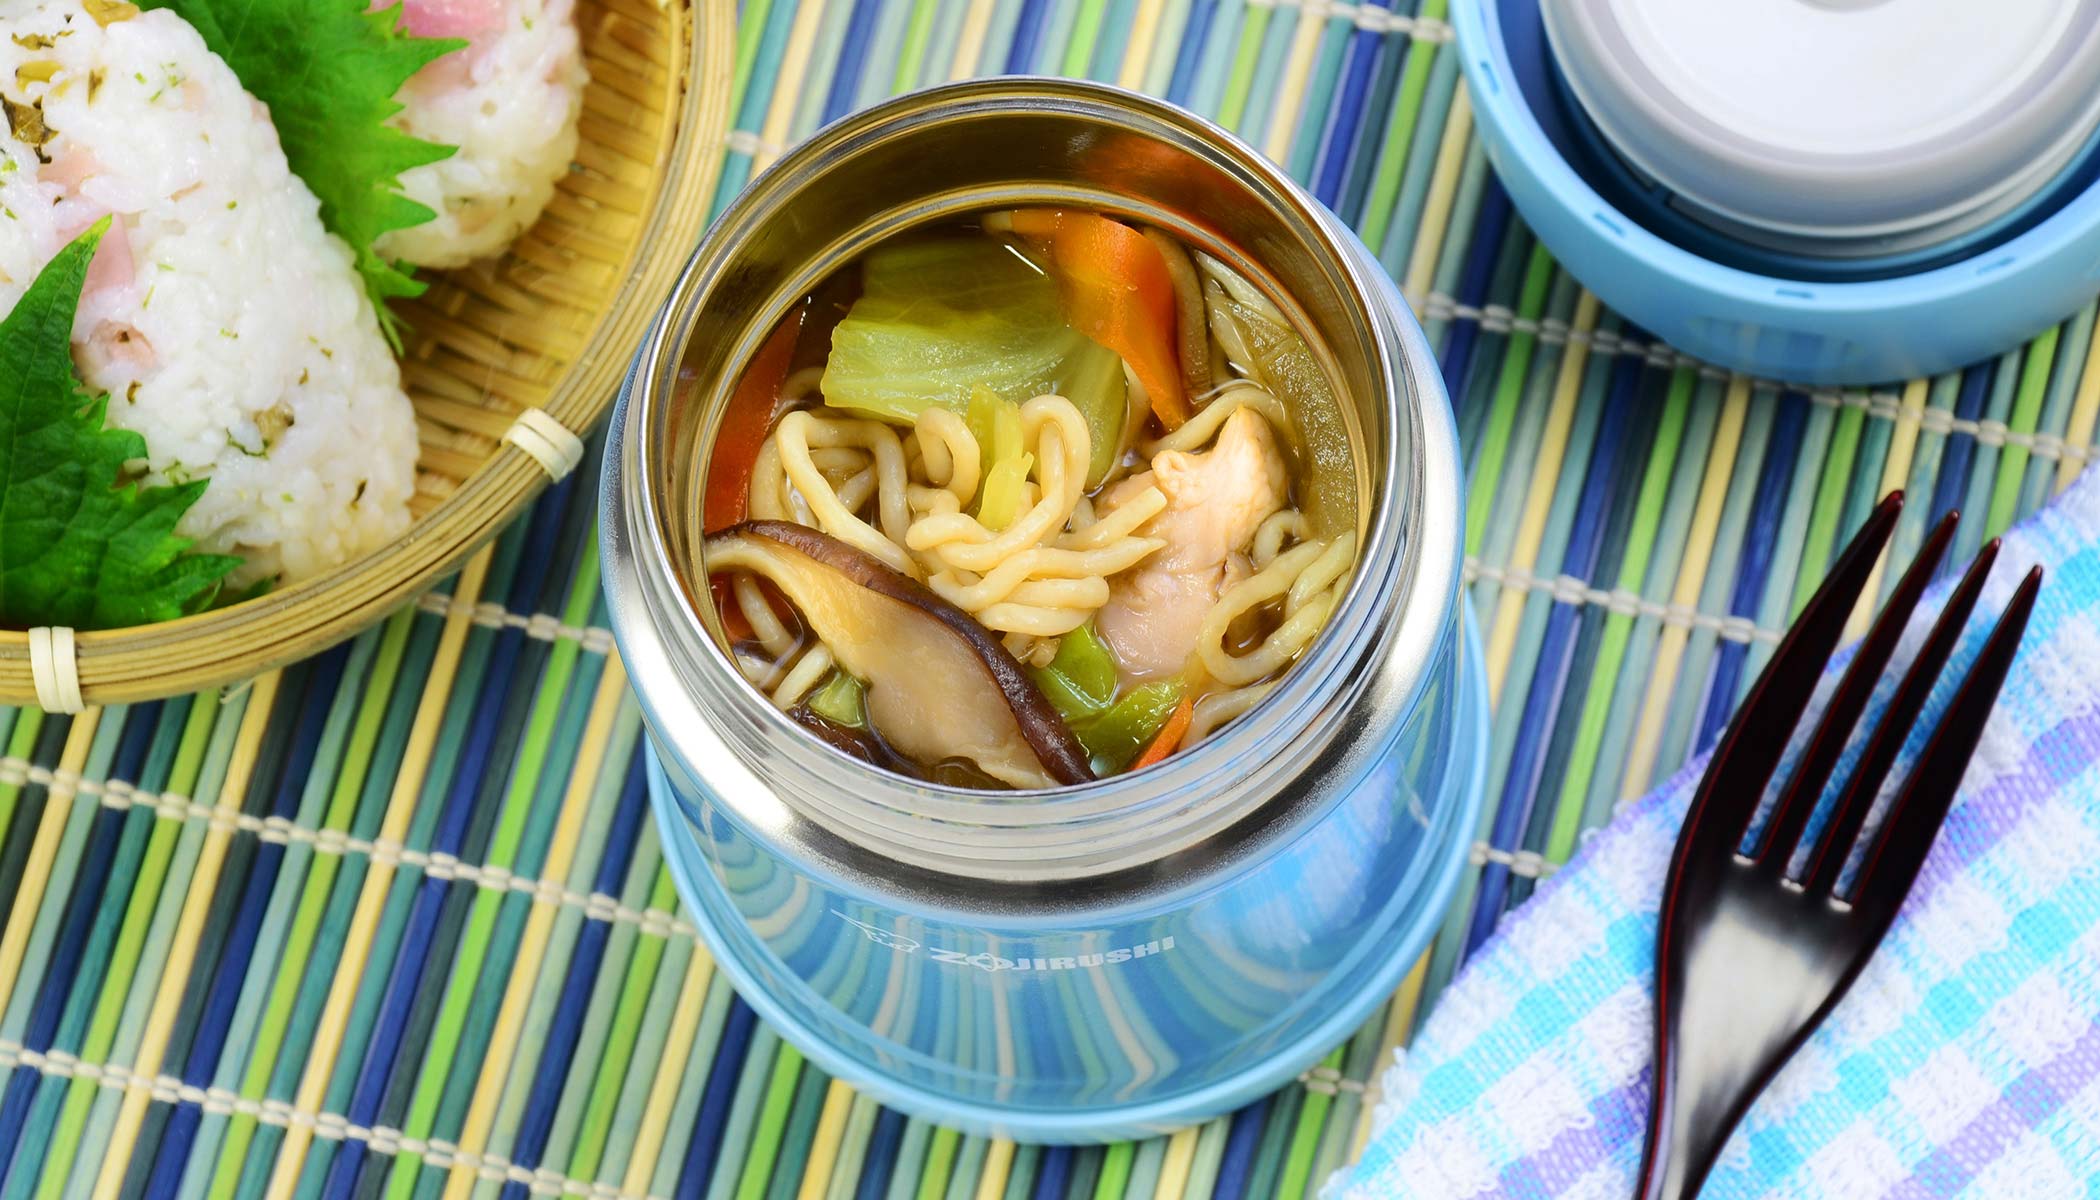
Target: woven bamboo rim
551,325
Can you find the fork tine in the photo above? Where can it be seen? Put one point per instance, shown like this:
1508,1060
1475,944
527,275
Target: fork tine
1749,751
1798,803
1886,742
1914,819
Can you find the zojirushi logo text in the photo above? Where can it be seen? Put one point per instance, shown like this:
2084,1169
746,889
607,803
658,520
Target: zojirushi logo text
985,961
1061,962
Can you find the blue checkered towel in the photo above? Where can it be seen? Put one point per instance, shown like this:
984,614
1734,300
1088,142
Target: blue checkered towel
1965,1061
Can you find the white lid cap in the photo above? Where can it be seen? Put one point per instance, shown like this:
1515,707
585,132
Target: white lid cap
1800,121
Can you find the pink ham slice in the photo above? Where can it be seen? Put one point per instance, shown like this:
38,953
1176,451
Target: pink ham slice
74,166
450,18
112,267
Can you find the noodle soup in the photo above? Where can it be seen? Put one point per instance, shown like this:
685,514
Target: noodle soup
1027,501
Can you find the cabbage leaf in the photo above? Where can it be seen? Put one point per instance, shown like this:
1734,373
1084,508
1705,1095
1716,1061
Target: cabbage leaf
940,317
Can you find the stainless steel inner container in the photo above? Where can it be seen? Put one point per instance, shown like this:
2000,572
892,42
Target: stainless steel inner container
1127,955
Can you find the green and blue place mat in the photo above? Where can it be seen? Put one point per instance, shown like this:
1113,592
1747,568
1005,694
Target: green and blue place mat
394,921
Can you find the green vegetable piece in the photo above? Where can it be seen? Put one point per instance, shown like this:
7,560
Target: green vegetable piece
1080,682
1286,367
940,317
1000,501
982,416
986,416
1094,384
1006,443
81,544
839,701
1118,735
996,424
328,70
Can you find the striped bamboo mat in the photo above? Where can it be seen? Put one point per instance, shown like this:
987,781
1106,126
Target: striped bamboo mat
395,920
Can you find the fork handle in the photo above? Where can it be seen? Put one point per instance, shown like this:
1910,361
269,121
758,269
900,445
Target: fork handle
1668,1157
1692,1115
1676,1158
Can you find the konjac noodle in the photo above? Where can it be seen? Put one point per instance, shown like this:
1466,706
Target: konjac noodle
1028,501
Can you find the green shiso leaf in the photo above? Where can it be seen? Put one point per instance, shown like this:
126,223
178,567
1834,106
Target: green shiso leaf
328,70
80,543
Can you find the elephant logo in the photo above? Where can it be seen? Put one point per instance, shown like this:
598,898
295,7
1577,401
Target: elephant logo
879,935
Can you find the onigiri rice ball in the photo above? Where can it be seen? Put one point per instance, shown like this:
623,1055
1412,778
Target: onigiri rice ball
230,330
509,101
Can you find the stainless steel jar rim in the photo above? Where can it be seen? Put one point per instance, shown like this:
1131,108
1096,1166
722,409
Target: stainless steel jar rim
764,768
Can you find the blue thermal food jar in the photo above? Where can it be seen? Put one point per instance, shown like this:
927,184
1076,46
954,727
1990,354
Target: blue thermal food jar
1117,958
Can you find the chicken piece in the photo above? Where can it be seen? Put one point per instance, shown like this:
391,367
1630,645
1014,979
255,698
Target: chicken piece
1216,499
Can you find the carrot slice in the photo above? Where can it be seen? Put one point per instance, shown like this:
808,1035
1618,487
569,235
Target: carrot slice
1117,290
749,418
1168,739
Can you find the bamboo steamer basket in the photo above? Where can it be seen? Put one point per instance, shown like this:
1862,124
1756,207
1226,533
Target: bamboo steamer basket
552,325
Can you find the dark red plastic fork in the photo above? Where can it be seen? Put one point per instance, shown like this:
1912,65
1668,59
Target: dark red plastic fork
1749,959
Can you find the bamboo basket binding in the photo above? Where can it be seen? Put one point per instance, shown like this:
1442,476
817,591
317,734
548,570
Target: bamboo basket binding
551,325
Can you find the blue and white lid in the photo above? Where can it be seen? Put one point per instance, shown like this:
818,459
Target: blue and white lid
1838,127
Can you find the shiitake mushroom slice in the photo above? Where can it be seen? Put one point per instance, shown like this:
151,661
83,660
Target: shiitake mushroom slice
855,743
865,745
939,685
